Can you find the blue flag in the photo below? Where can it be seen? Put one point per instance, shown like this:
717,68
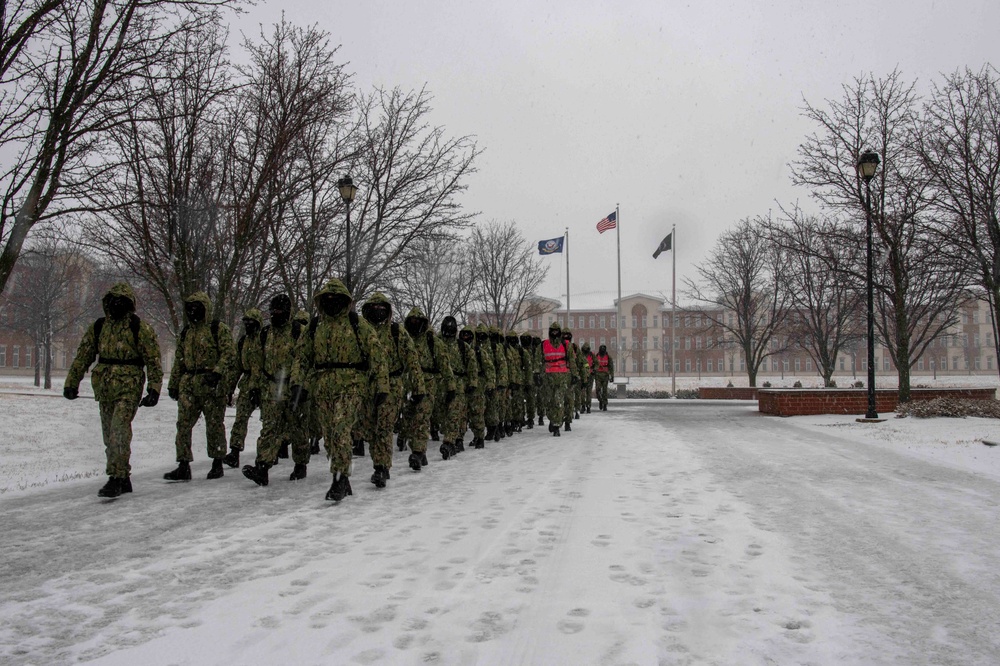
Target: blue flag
550,246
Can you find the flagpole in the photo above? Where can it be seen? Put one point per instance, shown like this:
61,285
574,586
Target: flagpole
618,332
673,311
567,277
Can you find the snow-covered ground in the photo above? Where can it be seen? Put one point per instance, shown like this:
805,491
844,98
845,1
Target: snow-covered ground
660,532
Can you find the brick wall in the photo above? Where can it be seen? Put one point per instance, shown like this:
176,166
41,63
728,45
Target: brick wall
799,402
724,393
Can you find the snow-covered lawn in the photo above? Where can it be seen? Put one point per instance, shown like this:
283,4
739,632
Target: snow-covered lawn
660,532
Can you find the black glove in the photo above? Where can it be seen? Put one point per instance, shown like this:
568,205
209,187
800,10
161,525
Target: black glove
299,395
212,380
514,387
538,379
173,393
152,397
416,398
254,395
381,397
449,397
612,380
70,393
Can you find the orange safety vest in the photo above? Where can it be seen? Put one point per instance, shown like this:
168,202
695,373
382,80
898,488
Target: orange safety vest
555,357
602,363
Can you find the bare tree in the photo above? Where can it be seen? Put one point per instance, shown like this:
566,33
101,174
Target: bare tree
824,298
409,176
509,272
960,148
438,277
918,293
62,70
743,282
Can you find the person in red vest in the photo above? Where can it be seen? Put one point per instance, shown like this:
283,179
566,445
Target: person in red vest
555,361
604,371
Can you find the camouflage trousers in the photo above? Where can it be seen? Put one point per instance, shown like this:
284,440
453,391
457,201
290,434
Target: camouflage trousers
493,407
338,413
440,413
530,394
201,399
582,394
515,405
476,403
601,379
457,416
569,399
417,419
588,392
244,410
556,386
116,426
379,423
281,424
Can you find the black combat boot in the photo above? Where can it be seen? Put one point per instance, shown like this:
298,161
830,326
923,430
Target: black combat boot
459,445
588,409
113,488
541,420
423,458
434,436
414,461
256,473
567,426
446,451
298,473
359,448
489,431
232,458
182,473
217,471
479,443
314,445
400,443
126,484
283,450
529,424
380,475
340,489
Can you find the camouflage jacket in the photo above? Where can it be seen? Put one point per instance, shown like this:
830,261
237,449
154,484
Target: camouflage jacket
203,348
463,363
249,356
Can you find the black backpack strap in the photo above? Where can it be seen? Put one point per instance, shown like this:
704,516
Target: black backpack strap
215,332
98,327
313,323
296,329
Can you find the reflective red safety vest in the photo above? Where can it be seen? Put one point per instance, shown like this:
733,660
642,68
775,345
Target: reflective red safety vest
555,357
602,363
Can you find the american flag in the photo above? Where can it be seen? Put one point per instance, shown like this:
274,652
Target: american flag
608,223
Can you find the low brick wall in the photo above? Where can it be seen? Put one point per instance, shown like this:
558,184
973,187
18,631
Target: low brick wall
800,402
726,393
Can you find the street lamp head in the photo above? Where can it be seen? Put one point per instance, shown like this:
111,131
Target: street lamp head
347,189
867,164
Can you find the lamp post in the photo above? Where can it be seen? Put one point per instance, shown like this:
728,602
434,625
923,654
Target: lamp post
347,191
867,164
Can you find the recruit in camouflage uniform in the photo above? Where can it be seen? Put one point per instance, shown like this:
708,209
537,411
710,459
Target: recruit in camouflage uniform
444,397
405,376
437,377
485,385
588,387
308,422
204,364
249,382
503,382
582,373
123,347
336,356
539,369
556,377
604,371
515,369
462,359
528,384
491,414
282,423
569,395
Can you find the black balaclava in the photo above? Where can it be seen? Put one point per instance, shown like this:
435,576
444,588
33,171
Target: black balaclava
194,311
555,335
603,349
280,310
512,340
526,341
119,307
251,326
334,304
376,313
415,326
482,336
449,327
467,336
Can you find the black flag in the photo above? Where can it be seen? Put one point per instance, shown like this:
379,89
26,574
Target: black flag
664,245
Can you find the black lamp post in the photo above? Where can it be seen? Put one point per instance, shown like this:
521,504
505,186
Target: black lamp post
347,191
867,164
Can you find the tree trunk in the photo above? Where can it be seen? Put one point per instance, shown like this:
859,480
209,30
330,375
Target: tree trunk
38,367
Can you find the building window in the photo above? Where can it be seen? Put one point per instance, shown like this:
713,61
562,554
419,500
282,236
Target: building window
687,365
656,321
809,364
530,324
27,357
635,322
645,365
784,364
635,344
635,365
614,320
709,365
17,357
591,321
798,365
603,320
944,363
697,342
572,321
920,363
886,363
989,362
642,321
656,365
62,360
687,343
977,363
645,342
3,356
656,342
602,341
743,364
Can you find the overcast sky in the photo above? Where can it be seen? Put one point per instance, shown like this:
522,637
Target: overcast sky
682,113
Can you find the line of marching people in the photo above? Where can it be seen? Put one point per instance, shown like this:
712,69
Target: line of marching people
338,377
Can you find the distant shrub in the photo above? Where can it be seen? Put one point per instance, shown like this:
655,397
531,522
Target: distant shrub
950,407
646,393
688,394
832,384
858,384
766,385
729,385
797,385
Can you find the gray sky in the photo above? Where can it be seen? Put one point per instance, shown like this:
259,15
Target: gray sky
684,113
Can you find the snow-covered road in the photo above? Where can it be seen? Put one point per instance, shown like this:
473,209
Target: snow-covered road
680,532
